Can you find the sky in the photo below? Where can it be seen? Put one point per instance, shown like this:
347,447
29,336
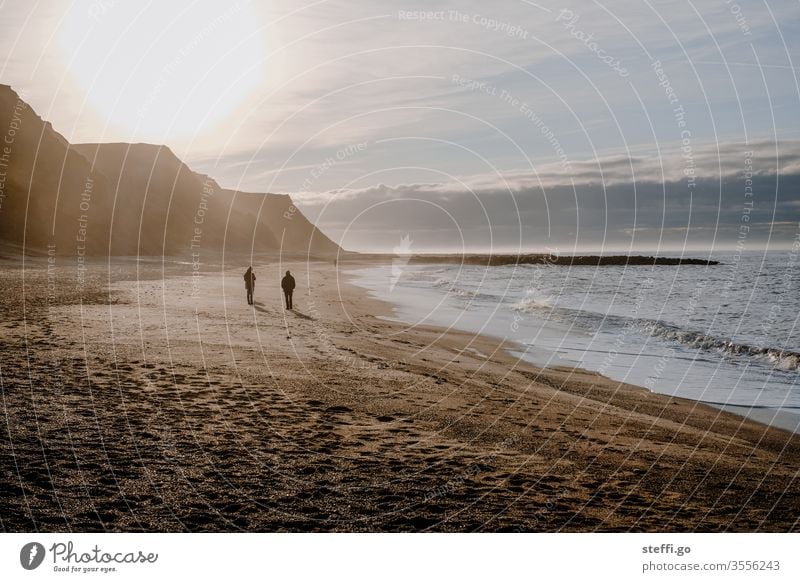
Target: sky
460,125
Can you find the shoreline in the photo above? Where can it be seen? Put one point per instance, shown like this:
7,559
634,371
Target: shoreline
777,417
216,416
771,417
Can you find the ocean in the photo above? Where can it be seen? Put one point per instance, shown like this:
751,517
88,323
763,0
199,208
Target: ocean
725,334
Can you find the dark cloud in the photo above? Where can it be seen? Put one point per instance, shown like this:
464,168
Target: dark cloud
581,208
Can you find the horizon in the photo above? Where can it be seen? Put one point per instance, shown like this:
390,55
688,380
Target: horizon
599,251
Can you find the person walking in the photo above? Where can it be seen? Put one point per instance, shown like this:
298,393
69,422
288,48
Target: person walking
288,285
249,284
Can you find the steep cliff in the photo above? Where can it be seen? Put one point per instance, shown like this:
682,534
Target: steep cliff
129,199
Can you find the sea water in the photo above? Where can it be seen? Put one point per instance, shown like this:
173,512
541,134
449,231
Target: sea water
722,334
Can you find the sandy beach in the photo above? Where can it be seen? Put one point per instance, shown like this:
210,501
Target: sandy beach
138,396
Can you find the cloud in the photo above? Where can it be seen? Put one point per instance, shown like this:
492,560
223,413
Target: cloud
444,159
704,161
736,187
329,61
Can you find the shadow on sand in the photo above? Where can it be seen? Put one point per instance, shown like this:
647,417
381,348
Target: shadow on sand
301,315
258,306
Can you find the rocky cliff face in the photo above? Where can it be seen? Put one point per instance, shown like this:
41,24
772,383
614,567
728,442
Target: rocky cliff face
160,206
275,212
49,194
129,199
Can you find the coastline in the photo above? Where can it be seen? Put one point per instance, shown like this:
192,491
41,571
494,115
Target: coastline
219,417
421,303
782,419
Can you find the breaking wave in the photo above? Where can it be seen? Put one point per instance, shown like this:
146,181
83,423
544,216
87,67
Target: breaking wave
781,359
593,322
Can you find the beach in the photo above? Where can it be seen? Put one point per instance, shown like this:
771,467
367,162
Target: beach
146,395
722,334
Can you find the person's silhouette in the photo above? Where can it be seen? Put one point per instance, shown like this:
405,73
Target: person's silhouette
287,284
249,284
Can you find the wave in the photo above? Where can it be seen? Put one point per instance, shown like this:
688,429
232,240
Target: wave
455,292
546,306
593,322
777,357
533,304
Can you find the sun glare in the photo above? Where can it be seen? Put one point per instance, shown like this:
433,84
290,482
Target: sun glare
162,71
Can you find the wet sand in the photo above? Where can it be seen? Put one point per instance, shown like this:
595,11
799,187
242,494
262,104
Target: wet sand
153,400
